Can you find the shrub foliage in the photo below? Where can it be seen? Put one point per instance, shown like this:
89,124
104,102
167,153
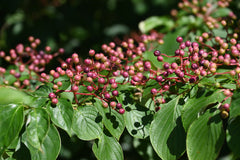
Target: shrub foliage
175,87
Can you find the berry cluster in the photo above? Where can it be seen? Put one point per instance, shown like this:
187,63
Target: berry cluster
104,73
28,62
205,11
101,75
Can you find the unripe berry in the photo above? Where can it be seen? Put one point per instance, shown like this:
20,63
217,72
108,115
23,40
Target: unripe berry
119,105
89,88
86,69
232,73
17,75
47,48
54,101
194,66
75,88
113,104
105,104
157,53
51,95
125,74
227,92
154,91
174,65
111,81
166,65
101,80
193,79
147,65
91,52
179,39
121,111
226,107
224,114
159,78
26,82
160,58
115,93
16,84
136,78
59,83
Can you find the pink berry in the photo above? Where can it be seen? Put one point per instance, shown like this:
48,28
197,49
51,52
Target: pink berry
89,88
119,105
101,80
154,91
75,88
121,111
54,101
51,95
113,104
115,93
179,39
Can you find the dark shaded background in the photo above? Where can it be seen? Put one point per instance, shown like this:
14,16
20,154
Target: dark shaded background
76,25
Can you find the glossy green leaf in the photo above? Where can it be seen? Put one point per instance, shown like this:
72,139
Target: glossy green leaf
233,133
61,114
107,147
112,120
38,123
205,136
167,134
9,95
43,90
50,146
87,123
11,122
194,106
146,95
137,117
235,109
65,82
154,22
39,102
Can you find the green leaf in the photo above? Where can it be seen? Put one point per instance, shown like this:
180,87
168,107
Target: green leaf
221,12
44,90
112,120
50,146
137,117
233,133
205,136
39,102
11,122
194,106
87,123
107,147
62,114
235,109
37,127
147,90
10,95
167,134
220,32
65,82
155,21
